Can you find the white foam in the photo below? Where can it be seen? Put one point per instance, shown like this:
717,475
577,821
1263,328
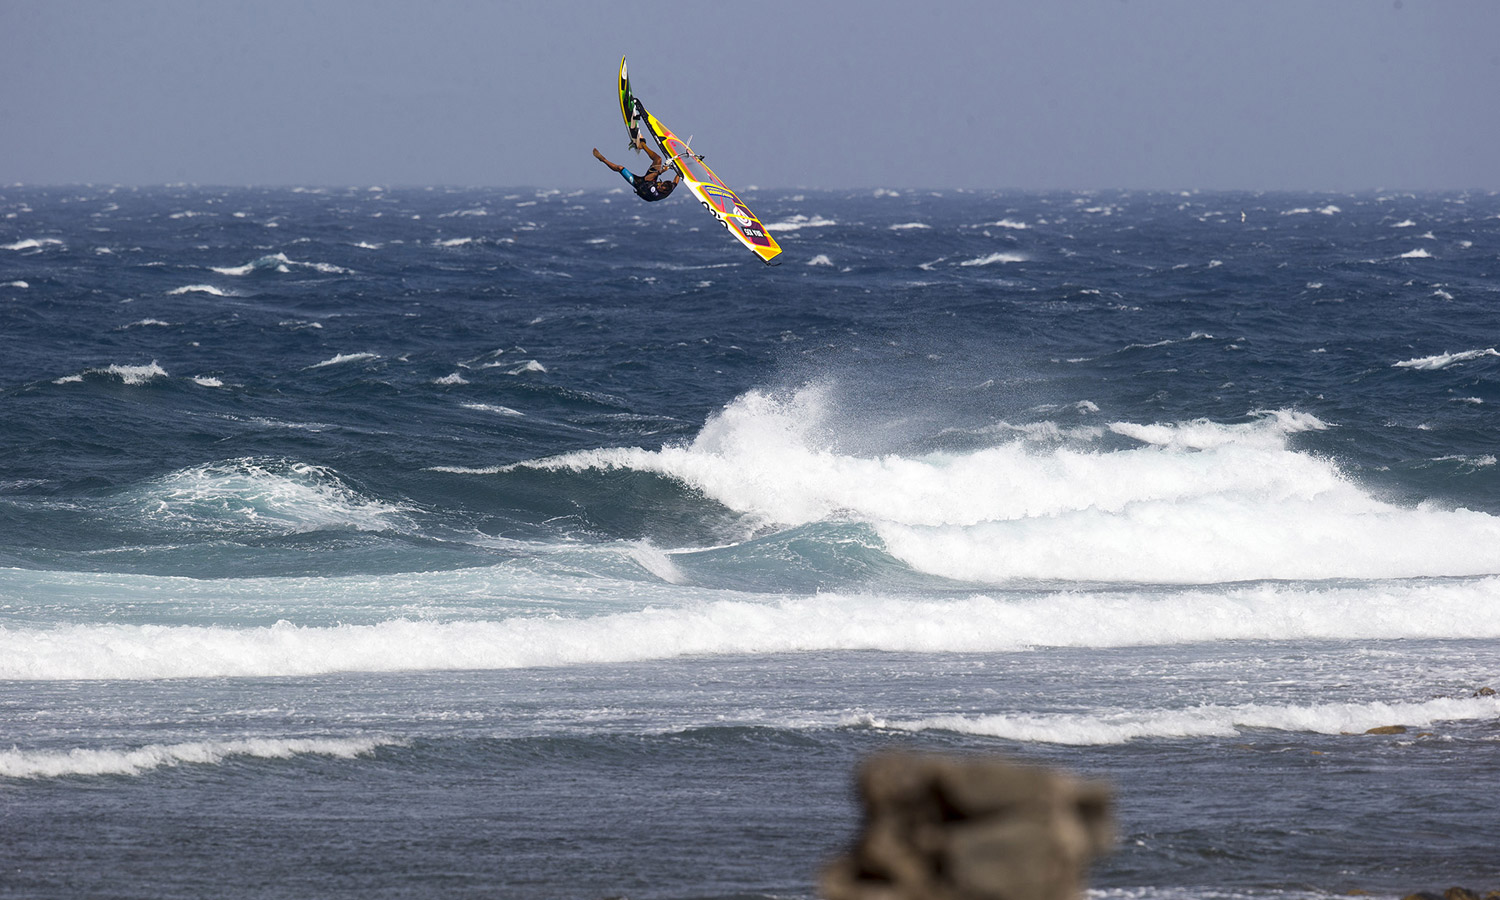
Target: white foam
17,763
266,496
705,622
1418,253
451,379
198,289
1405,223
1444,360
453,242
530,365
280,263
342,358
492,408
1195,336
798,222
17,284
820,260
133,375
1328,210
1205,540
208,381
1268,428
993,258
1473,462
32,244
1197,502
137,374
910,226
1118,727
268,422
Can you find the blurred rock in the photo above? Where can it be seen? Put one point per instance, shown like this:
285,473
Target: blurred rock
970,828
1387,729
1453,893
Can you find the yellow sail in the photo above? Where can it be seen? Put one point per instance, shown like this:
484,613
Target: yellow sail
713,193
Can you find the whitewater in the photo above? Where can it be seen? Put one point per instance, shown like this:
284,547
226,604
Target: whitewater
474,543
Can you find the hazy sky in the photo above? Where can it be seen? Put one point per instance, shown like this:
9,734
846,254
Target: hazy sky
1211,94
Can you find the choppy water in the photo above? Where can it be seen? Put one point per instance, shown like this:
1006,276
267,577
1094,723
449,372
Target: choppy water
436,543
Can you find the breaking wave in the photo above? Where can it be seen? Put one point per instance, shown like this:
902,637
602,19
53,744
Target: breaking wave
1201,721
17,763
1196,502
258,496
679,623
278,262
1444,360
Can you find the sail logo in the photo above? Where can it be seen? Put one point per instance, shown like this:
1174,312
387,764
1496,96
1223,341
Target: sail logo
727,206
753,229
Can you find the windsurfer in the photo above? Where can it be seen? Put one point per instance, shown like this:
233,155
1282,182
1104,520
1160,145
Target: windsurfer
648,186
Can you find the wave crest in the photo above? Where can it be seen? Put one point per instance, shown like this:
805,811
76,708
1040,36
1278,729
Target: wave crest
1193,502
260,496
734,625
1198,722
17,763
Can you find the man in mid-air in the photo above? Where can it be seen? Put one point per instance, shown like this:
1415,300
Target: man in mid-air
646,186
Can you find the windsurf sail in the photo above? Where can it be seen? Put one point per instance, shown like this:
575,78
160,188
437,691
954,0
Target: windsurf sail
713,193
627,107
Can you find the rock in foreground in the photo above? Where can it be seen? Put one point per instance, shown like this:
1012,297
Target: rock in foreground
970,828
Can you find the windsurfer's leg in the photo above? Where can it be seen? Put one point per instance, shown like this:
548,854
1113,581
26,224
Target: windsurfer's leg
600,156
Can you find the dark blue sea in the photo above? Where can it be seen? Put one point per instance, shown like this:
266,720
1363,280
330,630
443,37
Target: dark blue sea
379,543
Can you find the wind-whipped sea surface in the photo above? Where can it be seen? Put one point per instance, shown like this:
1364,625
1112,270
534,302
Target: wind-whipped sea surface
392,543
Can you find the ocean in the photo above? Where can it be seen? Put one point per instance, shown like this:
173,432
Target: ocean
392,543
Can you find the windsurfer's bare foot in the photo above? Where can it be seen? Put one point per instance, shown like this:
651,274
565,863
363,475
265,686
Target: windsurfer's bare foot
599,156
